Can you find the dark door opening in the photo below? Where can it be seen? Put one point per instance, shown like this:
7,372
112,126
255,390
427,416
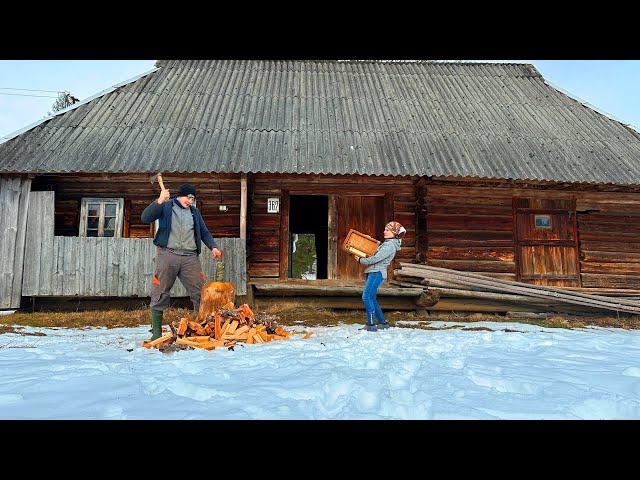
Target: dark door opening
308,236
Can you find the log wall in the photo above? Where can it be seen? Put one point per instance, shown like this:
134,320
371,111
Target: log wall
469,226
139,192
609,233
263,229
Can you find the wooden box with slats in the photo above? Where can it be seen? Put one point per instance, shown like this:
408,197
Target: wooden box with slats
360,244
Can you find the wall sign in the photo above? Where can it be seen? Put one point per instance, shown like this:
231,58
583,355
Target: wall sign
273,205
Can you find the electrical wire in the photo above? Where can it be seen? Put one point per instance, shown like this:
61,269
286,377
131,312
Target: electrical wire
31,90
25,95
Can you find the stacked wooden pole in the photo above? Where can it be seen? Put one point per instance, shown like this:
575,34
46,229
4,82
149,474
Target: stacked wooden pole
472,285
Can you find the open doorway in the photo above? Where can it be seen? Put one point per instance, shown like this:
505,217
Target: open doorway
308,236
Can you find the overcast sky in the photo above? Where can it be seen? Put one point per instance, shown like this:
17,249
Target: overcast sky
608,85
464,371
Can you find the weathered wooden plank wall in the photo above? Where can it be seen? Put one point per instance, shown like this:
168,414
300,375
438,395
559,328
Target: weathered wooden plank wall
263,230
14,198
469,227
115,267
105,267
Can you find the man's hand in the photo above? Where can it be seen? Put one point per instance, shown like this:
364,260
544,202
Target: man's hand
216,253
356,257
164,196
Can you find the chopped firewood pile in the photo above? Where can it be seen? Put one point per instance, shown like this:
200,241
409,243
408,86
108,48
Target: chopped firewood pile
223,328
475,292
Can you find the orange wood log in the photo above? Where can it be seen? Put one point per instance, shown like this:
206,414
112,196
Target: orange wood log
203,338
307,335
225,326
247,311
241,330
232,327
257,338
216,325
157,341
184,323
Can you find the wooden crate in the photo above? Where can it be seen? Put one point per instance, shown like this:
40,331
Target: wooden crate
360,244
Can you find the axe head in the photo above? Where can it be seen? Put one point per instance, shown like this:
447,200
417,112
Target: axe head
158,177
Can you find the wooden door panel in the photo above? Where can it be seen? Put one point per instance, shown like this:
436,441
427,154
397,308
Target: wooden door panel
560,229
546,260
547,252
364,214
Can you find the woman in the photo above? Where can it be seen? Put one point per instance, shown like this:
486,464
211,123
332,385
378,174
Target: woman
376,273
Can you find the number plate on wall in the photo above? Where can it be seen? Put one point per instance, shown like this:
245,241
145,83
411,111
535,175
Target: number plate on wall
273,205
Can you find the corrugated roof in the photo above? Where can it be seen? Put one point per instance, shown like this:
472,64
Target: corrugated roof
488,120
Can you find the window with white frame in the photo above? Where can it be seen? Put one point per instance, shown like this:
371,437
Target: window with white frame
101,217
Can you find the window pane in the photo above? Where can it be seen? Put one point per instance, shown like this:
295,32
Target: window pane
110,223
110,209
94,209
108,233
543,221
92,222
92,232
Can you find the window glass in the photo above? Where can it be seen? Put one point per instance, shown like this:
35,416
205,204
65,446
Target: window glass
543,221
93,222
101,217
110,209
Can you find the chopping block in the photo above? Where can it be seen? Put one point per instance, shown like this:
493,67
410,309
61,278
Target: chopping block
215,294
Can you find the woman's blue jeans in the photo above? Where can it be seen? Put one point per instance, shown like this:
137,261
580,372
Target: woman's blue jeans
370,294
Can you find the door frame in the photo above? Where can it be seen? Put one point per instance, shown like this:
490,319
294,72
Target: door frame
566,243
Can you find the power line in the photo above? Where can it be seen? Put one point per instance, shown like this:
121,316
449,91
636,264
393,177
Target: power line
25,95
30,90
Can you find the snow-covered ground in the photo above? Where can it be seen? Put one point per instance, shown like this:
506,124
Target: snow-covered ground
511,371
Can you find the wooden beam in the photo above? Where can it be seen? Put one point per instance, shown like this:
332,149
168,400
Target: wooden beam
332,250
284,235
243,206
284,290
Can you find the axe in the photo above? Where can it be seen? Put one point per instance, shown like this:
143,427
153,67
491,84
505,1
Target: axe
158,176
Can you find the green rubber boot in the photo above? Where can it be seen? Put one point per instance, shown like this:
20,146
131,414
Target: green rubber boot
156,324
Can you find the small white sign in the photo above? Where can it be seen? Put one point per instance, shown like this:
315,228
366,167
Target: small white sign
273,205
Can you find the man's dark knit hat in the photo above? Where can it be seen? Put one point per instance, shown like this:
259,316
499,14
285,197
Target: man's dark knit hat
186,189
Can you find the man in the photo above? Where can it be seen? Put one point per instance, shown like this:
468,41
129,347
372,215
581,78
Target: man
179,238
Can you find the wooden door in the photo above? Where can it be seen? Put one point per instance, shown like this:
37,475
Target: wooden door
546,242
364,214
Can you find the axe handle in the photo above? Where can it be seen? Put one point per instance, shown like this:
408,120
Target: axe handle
160,182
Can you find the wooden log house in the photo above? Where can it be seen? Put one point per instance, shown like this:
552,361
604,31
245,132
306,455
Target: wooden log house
490,169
